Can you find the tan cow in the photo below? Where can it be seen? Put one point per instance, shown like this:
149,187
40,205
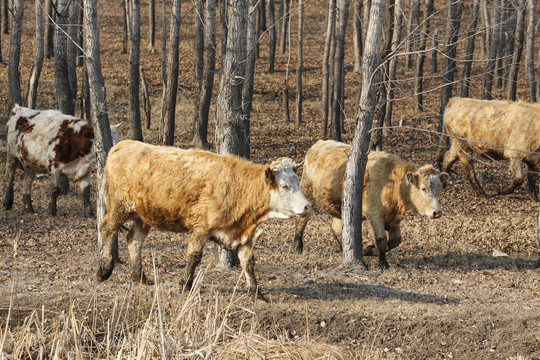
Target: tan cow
495,129
211,196
391,187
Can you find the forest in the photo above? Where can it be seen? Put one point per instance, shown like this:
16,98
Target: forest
264,80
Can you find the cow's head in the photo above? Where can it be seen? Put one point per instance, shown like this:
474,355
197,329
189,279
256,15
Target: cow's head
425,187
286,199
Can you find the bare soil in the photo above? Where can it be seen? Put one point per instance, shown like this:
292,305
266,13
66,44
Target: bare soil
460,287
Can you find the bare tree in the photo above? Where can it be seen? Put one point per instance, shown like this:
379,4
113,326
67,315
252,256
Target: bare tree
299,64
134,78
471,34
169,107
272,36
5,17
531,4
14,74
518,51
356,164
414,14
50,15
421,57
495,38
326,69
357,34
38,60
151,24
72,46
205,95
198,44
64,95
339,72
284,25
396,38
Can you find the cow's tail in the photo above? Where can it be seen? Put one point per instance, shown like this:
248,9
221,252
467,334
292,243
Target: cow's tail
104,193
443,147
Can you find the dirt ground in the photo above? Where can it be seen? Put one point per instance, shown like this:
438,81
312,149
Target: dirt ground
462,286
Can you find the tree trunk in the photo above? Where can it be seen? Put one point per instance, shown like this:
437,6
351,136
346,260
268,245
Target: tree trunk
396,38
38,60
272,36
134,74
14,74
338,96
167,129
434,46
412,33
356,163
151,24
471,34
530,49
200,138
357,34
65,98
163,43
146,99
284,26
249,72
231,122
5,17
299,64
330,29
198,45
80,35
510,40
518,50
72,48
223,9
499,69
126,33
49,29
455,8
421,57
495,38
99,117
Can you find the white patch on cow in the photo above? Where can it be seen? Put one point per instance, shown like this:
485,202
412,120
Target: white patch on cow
288,200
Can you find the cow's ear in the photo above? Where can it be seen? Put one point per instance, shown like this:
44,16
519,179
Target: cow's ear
270,177
444,178
412,178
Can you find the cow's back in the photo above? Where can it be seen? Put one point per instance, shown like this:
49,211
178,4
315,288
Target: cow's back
184,189
505,124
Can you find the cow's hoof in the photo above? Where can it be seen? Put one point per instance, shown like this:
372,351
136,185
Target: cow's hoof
105,270
383,265
370,250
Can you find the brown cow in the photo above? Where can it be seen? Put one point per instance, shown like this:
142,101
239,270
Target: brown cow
495,129
211,196
391,187
49,142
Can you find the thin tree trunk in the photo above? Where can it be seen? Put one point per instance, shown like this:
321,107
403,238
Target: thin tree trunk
357,34
284,26
518,50
531,4
412,33
72,48
330,28
167,129
249,72
163,43
338,98
356,164
65,98
223,10
151,24
455,8
14,74
510,40
49,29
99,117
135,78
146,99
198,45
396,38
126,33
495,38
434,46
299,64
471,34
80,35
499,69
421,57
272,36
33,81
5,17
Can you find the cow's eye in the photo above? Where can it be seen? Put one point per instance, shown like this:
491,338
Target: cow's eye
423,188
284,186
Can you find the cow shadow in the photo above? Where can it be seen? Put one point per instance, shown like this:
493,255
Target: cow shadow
347,291
471,261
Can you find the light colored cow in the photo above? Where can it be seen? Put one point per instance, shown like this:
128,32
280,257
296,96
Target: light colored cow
391,187
210,196
48,142
495,129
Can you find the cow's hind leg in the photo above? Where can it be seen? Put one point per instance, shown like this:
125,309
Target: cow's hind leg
109,227
381,240
517,174
300,226
135,239
28,179
84,185
11,168
247,260
466,162
532,179
196,244
337,230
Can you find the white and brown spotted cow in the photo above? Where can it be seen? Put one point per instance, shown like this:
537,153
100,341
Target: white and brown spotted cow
495,129
48,142
391,187
210,196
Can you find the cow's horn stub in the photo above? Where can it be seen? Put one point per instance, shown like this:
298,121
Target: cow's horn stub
281,163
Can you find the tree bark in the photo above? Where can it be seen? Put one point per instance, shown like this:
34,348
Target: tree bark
518,51
299,64
151,24
284,26
396,38
65,98
272,36
357,34
356,163
49,29
338,96
135,78
14,74
163,43
327,76
198,47
531,4
146,99
33,81
167,129
511,33
495,37
455,8
5,17
471,34
421,57
412,33
126,32
72,47
99,117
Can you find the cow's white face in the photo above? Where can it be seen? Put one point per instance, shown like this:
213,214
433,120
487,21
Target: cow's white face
426,185
286,199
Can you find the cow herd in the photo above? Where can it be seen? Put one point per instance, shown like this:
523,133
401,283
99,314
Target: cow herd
223,198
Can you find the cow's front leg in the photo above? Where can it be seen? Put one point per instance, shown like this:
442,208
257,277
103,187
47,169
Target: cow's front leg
108,230
300,226
135,239
84,184
337,226
394,237
28,179
196,244
381,240
247,260
11,168
517,175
